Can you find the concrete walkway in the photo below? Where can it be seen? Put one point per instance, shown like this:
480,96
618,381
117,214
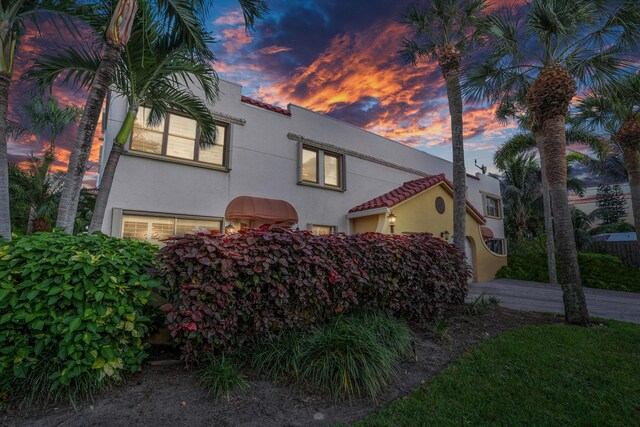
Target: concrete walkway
533,296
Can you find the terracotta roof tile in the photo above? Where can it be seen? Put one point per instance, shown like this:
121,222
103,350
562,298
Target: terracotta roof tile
264,105
406,191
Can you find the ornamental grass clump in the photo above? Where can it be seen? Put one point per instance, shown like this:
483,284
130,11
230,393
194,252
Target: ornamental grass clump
221,377
351,356
72,314
227,290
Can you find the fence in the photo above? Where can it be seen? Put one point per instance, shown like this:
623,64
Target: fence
627,251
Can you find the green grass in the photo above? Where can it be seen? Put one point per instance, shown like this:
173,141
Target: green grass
536,375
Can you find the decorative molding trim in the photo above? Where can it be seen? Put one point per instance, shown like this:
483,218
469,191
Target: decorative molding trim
347,152
229,119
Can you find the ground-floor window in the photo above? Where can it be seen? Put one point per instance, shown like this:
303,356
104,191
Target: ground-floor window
155,229
322,229
498,246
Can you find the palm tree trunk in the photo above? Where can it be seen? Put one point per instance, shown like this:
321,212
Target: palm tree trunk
110,170
5,213
632,163
555,142
32,216
452,79
84,137
548,215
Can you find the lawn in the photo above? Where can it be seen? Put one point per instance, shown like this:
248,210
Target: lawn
535,375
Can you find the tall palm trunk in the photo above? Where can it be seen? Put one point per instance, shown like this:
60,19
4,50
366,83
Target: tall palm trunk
548,215
117,36
553,130
632,163
108,174
32,217
450,65
5,213
84,138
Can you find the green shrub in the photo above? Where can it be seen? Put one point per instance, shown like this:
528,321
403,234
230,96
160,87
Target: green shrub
221,377
350,356
71,313
597,270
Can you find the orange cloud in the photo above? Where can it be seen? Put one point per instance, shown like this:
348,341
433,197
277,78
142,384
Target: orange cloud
270,50
235,38
232,18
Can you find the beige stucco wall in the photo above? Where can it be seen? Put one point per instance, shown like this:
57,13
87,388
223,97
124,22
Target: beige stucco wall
418,214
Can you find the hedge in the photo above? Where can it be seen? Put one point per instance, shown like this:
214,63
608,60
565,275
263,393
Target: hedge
257,283
71,311
597,270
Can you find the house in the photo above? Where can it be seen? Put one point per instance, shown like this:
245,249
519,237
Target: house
289,166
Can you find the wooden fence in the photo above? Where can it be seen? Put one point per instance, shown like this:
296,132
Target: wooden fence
627,251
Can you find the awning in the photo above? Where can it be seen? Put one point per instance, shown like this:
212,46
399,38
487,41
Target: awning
487,233
261,209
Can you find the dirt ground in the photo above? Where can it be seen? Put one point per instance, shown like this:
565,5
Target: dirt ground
169,395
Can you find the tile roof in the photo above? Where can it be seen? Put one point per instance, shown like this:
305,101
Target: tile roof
408,190
264,105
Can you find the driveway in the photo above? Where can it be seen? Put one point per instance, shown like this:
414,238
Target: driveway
533,296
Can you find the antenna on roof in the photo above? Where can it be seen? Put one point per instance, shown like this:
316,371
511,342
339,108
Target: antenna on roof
482,168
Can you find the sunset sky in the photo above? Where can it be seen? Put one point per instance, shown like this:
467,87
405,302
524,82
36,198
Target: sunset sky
336,57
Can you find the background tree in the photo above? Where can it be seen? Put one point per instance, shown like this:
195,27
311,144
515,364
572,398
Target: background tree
14,15
541,59
444,30
614,108
112,21
34,193
521,188
47,119
612,202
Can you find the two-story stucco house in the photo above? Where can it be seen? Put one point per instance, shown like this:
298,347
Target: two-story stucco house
294,167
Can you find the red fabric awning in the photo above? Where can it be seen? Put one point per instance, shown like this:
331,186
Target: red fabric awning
261,209
487,233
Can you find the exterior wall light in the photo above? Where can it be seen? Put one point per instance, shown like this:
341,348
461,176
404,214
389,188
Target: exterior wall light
445,235
392,221
229,229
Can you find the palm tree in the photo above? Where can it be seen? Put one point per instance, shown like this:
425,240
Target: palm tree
615,109
152,72
46,116
444,31
36,188
521,192
559,44
113,21
14,14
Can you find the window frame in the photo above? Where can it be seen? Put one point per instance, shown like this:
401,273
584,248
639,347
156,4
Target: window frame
503,245
333,228
498,201
175,217
226,164
321,152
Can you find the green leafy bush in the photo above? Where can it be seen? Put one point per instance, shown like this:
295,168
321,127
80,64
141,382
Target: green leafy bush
221,377
71,312
350,356
597,270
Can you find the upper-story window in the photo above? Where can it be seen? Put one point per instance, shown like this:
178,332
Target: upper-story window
322,168
177,137
492,207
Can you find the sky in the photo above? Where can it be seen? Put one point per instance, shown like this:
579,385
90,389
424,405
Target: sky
335,57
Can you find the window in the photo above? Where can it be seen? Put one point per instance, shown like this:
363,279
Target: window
492,206
177,137
497,246
155,229
321,167
322,229
309,165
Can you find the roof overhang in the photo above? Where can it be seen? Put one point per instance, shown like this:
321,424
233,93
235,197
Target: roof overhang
376,211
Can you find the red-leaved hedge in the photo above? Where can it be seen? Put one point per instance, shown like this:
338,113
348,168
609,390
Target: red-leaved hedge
224,289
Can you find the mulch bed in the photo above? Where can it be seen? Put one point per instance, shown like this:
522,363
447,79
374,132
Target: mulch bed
168,395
